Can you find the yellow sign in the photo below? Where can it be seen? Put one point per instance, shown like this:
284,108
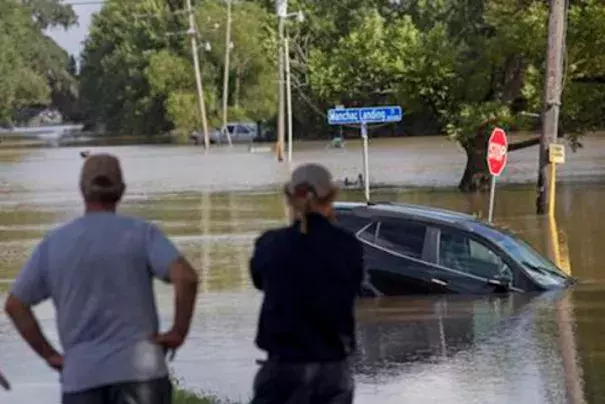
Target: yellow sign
556,153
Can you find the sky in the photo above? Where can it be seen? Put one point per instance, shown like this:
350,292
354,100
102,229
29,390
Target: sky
71,40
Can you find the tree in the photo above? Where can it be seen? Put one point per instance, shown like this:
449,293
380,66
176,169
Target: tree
113,85
32,67
464,67
252,92
137,74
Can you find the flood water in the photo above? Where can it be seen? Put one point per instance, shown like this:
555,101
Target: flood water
516,349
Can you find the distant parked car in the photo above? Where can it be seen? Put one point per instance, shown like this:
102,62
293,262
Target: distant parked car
241,132
413,249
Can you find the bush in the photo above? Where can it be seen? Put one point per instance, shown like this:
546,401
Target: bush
182,396
185,397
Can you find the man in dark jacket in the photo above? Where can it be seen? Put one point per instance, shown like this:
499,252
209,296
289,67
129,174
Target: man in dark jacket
310,273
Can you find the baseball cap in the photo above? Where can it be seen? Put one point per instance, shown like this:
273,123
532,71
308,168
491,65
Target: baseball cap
101,177
313,176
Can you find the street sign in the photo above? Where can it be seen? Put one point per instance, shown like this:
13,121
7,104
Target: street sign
556,153
364,116
351,116
497,150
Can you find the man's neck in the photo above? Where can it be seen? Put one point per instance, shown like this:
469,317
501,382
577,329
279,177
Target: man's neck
93,207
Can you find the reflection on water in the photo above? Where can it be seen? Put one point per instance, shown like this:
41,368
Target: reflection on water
515,349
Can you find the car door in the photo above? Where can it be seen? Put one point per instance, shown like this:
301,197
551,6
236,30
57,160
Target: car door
395,259
243,134
470,265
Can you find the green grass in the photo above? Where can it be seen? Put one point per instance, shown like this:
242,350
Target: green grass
185,397
182,396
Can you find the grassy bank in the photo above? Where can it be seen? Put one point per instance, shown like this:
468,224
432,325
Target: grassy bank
181,396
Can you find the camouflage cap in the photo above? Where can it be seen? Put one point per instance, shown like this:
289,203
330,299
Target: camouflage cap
101,177
313,176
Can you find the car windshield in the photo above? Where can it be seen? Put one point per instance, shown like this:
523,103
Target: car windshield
540,268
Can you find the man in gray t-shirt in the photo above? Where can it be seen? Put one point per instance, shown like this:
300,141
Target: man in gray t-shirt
98,271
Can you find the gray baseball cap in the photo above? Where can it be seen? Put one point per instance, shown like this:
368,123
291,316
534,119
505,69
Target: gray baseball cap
313,176
101,177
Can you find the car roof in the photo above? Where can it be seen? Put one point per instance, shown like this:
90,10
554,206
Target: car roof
410,211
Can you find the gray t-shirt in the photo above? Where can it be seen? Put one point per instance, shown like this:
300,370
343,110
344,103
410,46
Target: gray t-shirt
98,270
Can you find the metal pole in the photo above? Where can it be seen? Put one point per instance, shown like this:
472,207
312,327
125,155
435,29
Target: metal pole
552,190
226,72
280,83
198,77
366,168
492,193
552,98
288,95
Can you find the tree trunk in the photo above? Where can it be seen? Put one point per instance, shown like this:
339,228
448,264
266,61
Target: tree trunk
476,177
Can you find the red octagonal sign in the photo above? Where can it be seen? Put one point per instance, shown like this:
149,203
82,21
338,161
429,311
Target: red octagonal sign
497,149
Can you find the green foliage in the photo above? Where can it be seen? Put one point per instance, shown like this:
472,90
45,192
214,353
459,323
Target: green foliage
453,65
186,397
33,69
183,396
441,59
137,73
113,84
51,13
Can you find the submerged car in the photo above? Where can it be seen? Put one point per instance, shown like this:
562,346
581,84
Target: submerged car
410,249
240,132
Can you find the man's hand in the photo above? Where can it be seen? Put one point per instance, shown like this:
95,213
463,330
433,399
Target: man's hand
170,340
55,361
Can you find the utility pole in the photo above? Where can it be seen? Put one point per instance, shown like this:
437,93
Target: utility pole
282,7
226,72
198,78
552,101
288,96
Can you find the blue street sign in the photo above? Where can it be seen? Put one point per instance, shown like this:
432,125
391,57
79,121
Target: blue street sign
347,116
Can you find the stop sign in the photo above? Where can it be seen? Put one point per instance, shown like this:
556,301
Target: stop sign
497,149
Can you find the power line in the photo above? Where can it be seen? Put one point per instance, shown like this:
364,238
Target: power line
84,3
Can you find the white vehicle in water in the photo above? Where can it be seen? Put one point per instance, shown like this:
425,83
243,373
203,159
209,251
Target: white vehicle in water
241,132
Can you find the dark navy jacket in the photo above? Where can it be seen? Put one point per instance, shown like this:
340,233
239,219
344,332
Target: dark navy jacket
310,282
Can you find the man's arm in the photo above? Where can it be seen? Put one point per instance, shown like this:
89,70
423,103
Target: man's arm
29,289
167,263
24,320
185,280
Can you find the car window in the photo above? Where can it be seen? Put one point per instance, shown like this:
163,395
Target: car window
460,252
402,237
242,129
351,222
230,128
369,233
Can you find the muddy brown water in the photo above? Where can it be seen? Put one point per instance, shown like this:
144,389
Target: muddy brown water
517,349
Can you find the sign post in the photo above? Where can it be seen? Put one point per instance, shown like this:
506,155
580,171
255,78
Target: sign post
364,116
556,155
497,154
366,167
